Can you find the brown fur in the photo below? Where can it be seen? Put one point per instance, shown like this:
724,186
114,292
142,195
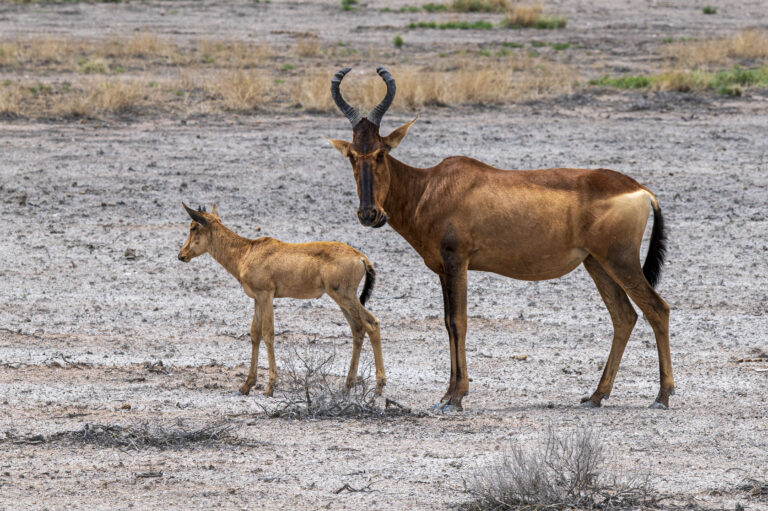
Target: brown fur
465,215
267,268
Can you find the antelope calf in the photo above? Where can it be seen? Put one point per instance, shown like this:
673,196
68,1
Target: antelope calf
268,268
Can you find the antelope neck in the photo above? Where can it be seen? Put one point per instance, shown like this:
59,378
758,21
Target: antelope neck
406,186
228,248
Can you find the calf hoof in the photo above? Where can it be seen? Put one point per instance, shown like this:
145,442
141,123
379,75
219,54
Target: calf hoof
245,388
269,391
658,406
587,403
380,387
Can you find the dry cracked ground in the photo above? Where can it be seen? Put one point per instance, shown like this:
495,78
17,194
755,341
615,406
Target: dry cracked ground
92,297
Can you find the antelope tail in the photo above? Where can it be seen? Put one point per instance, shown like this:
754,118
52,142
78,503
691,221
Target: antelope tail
657,248
370,281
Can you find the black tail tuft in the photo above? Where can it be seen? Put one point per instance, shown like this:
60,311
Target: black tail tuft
370,281
657,250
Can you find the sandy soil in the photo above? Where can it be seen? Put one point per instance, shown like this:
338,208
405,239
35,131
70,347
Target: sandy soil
79,318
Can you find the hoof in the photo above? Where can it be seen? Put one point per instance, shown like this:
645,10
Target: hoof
447,408
586,403
245,389
658,406
269,391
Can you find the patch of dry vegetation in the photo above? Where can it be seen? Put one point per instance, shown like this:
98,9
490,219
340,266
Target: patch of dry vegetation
149,75
750,44
523,78
140,436
561,472
240,90
480,5
532,16
309,390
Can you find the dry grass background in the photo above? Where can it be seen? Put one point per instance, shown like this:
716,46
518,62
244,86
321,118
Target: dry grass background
750,44
146,74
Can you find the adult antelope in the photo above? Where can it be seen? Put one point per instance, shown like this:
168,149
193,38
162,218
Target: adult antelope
464,215
267,268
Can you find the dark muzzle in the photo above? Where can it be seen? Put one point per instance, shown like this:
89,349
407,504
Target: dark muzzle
371,217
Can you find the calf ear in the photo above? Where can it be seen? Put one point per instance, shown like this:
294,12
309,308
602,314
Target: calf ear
341,146
197,216
215,211
393,139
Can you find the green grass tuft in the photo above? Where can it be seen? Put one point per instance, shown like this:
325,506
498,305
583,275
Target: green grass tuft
708,9
550,22
433,7
623,82
398,41
461,25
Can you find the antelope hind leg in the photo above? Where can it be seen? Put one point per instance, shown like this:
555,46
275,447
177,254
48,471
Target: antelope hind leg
623,317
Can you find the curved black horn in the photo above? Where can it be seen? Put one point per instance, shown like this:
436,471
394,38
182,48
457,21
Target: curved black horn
378,112
197,216
352,114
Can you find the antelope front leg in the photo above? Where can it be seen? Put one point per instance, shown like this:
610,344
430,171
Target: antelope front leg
268,330
455,296
250,381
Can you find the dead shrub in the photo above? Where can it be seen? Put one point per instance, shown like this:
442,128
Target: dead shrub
308,390
566,471
140,436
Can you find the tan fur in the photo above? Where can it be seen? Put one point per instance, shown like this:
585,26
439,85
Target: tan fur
267,268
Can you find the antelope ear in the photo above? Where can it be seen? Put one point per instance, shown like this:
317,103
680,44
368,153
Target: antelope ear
393,139
215,211
197,216
341,146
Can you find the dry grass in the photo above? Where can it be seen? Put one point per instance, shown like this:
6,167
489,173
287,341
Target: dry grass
523,15
518,79
751,44
99,97
308,47
532,16
146,74
240,90
11,97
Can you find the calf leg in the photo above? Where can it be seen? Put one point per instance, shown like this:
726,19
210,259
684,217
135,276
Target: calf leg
357,345
356,314
371,325
626,271
623,317
250,381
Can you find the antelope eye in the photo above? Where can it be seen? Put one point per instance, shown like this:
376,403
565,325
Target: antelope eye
193,228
